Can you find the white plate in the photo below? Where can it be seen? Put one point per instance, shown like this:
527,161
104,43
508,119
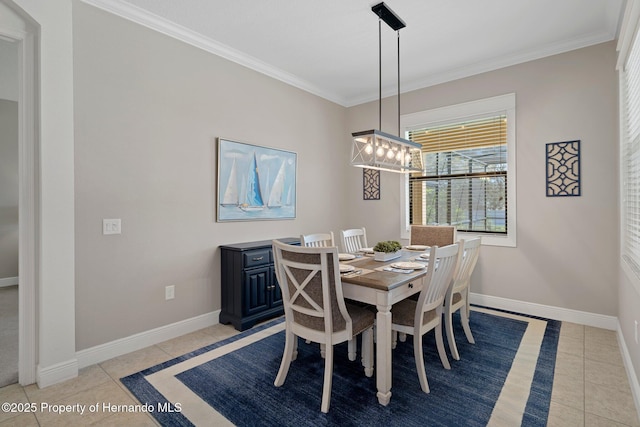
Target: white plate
366,250
417,247
424,256
346,268
346,257
408,265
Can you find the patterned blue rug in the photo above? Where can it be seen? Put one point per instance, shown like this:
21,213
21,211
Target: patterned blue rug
504,379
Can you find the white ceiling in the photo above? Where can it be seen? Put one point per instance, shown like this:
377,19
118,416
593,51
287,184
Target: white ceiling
330,47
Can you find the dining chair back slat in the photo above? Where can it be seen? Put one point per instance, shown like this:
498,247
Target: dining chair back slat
354,239
317,240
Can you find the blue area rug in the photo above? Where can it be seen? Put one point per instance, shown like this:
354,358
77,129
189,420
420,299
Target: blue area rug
238,382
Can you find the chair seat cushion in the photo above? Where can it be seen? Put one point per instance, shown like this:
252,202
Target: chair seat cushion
403,313
456,298
361,317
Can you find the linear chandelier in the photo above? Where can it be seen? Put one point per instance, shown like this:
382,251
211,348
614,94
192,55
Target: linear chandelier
374,149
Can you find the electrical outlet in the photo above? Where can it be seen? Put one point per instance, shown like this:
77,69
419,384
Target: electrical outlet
169,292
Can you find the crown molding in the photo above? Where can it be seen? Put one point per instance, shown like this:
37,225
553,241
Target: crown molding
145,18
157,23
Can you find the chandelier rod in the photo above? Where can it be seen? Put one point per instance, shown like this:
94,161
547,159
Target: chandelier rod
398,32
380,73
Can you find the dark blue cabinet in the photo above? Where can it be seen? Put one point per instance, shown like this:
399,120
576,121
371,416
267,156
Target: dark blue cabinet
250,291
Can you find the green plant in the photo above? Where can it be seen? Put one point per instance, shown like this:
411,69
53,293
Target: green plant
387,246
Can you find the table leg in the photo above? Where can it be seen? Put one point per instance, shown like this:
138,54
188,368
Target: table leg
383,354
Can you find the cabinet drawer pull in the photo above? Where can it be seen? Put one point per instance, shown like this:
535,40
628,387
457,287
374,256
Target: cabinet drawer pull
258,258
410,285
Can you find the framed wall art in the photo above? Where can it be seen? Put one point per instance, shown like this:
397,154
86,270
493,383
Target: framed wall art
255,183
563,168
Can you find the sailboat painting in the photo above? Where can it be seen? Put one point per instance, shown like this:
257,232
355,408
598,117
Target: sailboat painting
255,182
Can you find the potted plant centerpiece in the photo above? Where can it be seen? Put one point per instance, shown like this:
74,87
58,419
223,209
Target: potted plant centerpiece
386,250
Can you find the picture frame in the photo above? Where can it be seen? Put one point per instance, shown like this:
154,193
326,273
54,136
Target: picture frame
255,183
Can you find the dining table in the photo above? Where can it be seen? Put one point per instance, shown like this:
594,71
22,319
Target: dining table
379,284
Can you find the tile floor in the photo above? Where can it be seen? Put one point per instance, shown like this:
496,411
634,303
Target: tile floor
590,386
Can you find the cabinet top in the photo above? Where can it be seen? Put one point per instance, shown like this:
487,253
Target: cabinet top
259,244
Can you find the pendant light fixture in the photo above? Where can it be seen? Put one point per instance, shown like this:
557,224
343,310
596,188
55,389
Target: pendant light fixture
374,149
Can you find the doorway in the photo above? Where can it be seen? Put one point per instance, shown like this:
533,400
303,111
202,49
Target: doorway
9,219
18,29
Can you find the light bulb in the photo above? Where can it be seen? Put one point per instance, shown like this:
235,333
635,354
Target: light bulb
390,154
368,149
399,156
380,152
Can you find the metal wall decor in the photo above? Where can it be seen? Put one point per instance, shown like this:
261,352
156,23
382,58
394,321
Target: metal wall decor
563,168
370,184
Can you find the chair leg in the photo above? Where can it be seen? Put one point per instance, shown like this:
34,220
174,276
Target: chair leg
367,352
448,324
394,339
289,349
440,346
352,345
419,357
295,348
322,350
402,337
328,376
464,319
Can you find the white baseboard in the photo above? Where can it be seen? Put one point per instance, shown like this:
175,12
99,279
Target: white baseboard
550,312
8,281
50,375
631,373
102,352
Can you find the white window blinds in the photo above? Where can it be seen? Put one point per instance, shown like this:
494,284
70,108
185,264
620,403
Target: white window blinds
465,178
631,156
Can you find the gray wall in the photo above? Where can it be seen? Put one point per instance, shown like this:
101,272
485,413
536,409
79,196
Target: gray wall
148,110
567,249
8,189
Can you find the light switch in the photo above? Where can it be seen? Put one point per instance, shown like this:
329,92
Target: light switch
111,226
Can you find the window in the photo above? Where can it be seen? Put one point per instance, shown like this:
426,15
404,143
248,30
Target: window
469,177
630,159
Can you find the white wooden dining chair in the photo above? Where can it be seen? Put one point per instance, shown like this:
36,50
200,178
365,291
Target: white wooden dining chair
325,240
457,297
419,317
318,240
354,239
433,235
315,309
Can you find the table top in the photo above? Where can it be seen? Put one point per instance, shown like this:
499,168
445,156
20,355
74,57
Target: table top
383,280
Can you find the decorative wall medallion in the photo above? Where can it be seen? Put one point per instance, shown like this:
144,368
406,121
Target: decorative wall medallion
563,168
370,184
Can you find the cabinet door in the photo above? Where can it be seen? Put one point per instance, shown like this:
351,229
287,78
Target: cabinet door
276,292
256,295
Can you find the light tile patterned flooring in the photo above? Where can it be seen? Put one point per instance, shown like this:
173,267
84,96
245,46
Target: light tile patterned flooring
590,387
